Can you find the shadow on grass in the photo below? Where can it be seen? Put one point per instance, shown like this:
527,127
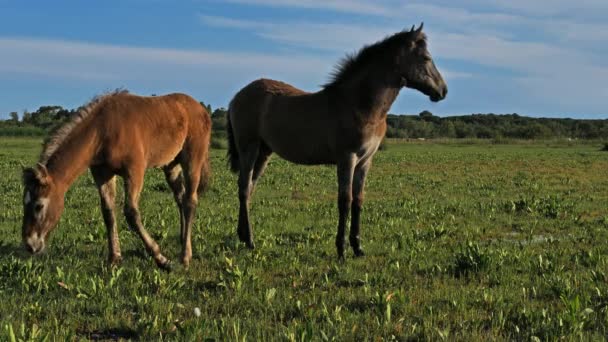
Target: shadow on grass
9,249
136,253
208,286
111,334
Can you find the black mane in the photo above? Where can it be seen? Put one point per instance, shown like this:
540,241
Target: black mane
369,53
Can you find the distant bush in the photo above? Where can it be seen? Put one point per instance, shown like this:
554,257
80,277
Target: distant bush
16,131
502,141
499,128
605,148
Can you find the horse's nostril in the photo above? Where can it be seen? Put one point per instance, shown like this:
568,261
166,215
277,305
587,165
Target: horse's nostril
29,248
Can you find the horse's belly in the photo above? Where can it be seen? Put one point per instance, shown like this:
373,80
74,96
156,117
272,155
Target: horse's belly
164,154
301,139
302,152
307,159
164,150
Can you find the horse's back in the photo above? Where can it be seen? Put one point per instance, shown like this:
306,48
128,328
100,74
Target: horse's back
153,128
273,87
254,95
295,124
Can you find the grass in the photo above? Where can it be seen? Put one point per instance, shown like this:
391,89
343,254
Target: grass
463,241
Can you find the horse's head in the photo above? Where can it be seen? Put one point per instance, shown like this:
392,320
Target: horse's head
42,207
416,67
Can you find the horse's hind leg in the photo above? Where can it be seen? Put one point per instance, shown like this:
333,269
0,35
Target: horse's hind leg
175,179
247,159
261,161
192,176
106,185
134,181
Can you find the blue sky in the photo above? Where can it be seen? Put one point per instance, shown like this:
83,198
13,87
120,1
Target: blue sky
537,58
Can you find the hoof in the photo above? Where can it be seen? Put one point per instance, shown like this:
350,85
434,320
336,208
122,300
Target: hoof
359,252
341,255
250,244
186,262
244,237
115,260
167,266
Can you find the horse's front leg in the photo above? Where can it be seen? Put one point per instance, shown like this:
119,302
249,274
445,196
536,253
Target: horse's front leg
358,185
345,184
106,185
134,181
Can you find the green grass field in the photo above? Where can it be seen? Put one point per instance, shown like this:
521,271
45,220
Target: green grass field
464,242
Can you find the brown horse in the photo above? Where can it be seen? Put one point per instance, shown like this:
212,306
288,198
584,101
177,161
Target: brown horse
342,124
121,134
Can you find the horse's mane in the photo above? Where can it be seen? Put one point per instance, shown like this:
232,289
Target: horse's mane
58,135
369,53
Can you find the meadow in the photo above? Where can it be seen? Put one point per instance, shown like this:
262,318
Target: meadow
464,240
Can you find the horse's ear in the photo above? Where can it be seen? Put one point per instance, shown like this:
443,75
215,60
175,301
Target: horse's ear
42,170
42,174
420,27
412,29
36,175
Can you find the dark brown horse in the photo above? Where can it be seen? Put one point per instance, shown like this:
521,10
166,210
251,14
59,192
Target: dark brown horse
342,124
121,134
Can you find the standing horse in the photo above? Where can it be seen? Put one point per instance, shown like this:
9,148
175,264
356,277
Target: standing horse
342,124
121,134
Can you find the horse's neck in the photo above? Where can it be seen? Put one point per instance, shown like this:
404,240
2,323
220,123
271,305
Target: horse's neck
372,96
73,156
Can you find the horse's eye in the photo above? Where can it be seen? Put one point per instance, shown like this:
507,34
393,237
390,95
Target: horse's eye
38,207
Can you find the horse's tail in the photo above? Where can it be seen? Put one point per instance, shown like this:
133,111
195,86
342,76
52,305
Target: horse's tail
233,153
205,180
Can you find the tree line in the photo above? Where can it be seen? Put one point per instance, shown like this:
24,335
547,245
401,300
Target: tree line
424,125
493,126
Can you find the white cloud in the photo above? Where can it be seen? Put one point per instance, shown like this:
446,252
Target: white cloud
332,37
88,60
544,8
556,60
217,21
393,8
577,22
347,6
533,58
163,55
87,69
547,52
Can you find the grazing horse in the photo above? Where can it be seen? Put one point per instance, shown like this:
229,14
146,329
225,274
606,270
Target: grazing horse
121,134
342,124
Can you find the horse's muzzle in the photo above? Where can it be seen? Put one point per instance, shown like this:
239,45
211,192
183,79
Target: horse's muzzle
34,246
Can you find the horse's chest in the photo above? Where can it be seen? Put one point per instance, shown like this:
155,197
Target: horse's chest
369,147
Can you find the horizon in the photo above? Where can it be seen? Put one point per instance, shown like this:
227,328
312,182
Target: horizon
389,113
527,58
